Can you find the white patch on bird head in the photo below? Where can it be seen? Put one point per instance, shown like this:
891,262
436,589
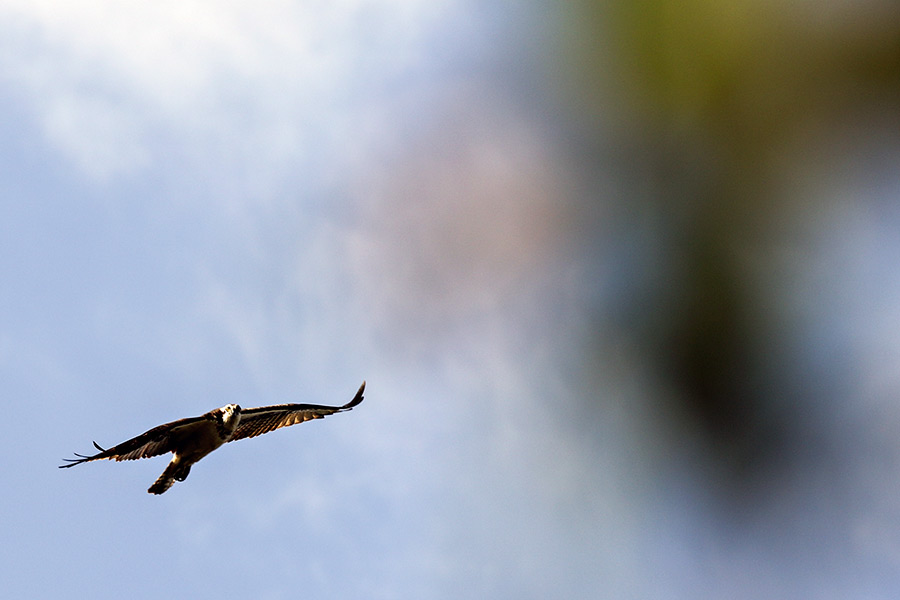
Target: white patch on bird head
231,415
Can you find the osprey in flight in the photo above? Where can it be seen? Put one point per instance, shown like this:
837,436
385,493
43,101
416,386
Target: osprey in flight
191,439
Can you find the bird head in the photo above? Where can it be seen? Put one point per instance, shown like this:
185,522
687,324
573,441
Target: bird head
230,415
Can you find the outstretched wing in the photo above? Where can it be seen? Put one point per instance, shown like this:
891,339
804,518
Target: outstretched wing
154,442
257,421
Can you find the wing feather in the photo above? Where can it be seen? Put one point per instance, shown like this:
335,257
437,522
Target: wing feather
263,419
153,442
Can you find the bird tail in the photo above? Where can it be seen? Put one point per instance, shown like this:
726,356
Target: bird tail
175,471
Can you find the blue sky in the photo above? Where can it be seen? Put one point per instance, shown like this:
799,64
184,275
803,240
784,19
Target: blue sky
205,203
212,202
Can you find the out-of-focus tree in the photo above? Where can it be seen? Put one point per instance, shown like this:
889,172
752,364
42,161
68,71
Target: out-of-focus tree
709,108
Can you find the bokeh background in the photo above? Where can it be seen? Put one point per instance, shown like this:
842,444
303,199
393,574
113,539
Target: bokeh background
623,278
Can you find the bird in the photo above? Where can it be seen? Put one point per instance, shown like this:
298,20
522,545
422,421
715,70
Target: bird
192,438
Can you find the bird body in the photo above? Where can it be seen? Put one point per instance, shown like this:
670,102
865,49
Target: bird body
189,440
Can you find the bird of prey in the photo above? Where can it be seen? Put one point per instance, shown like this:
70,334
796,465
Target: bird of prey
191,439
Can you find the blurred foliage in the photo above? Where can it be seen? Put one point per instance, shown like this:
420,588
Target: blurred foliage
710,103
748,71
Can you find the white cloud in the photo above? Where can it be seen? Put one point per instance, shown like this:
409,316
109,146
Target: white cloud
116,86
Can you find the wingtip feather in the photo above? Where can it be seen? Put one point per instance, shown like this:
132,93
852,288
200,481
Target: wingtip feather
357,398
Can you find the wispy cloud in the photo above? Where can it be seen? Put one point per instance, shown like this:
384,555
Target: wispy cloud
117,89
